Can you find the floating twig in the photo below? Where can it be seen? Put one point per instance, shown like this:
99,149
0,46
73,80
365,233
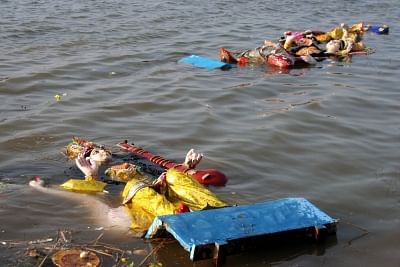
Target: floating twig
107,246
365,232
44,259
151,252
98,251
40,241
98,238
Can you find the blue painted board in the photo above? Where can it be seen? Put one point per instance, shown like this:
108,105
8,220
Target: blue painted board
205,62
218,226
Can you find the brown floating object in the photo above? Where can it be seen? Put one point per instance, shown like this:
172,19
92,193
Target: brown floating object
75,258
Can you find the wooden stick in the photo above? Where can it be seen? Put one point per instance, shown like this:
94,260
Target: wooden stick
151,252
98,238
98,251
109,247
44,259
365,232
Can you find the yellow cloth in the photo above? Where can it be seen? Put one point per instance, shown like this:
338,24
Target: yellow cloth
87,185
323,38
183,188
336,33
353,33
147,203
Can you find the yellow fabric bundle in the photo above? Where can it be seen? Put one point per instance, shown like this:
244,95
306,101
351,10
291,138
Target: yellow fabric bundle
336,33
323,38
147,203
89,186
183,188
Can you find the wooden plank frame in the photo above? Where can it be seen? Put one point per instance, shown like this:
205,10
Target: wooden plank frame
217,233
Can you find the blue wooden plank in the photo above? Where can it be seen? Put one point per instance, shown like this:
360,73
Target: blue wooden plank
204,62
218,226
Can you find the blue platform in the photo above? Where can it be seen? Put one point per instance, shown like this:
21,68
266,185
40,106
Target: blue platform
217,227
205,62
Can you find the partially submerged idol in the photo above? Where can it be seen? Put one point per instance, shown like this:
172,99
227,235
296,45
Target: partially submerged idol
98,153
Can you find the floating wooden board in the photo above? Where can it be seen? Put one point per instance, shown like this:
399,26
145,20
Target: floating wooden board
215,228
205,62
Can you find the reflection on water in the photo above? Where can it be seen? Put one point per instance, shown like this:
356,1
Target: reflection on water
278,250
328,133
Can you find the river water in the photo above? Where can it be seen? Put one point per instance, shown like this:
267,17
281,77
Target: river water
329,133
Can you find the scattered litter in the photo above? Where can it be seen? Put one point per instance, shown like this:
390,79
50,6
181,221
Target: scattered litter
58,97
39,241
63,252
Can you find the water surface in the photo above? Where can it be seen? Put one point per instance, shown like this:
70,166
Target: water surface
329,133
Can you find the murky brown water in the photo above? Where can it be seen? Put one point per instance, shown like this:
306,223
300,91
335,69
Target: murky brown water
328,133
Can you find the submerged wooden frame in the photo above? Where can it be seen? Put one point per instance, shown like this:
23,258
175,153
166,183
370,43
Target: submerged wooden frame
216,233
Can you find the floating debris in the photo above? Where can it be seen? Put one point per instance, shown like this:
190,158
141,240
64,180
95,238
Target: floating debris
58,97
40,241
75,258
62,252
